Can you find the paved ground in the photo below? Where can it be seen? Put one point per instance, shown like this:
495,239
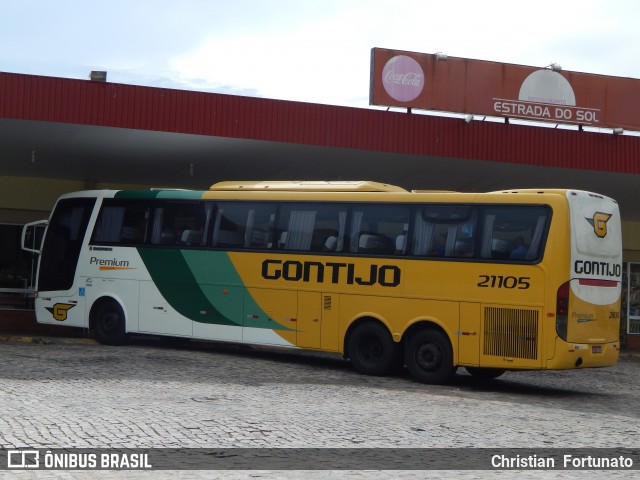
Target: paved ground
70,392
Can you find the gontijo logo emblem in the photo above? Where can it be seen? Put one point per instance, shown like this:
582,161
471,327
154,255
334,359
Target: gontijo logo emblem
59,310
599,223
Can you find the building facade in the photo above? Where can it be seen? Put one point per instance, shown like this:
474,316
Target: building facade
59,135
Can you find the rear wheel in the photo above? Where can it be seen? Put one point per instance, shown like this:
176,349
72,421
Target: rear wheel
429,357
109,323
480,373
372,350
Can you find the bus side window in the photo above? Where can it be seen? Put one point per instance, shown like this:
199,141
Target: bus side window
243,225
259,227
444,231
514,233
109,225
497,239
299,230
134,227
122,223
376,228
182,223
228,228
423,232
330,229
439,241
312,227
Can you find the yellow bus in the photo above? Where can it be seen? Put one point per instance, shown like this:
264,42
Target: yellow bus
512,280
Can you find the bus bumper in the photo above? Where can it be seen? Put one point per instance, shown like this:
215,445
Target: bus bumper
583,355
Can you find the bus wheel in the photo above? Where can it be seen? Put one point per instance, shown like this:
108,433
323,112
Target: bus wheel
429,357
371,349
480,373
108,323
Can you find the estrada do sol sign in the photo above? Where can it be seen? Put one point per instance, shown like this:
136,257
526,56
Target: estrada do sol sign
462,85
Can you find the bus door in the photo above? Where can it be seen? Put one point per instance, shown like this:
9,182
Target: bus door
318,321
31,242
303,315
61,298
309,320
265,307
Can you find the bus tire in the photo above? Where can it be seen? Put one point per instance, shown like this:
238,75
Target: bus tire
480,373
109,323
429,357
371,349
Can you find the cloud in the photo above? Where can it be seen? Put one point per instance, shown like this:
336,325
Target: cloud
319,61
325,57
305,51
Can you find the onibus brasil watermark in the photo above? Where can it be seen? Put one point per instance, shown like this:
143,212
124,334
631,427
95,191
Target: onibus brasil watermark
321,459
27,459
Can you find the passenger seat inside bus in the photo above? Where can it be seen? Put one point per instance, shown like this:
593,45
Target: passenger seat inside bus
167,237
374,244
191,237
282,241
499,248
401,244
331,244
463,248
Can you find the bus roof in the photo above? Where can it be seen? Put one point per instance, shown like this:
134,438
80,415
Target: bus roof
308,185
556,191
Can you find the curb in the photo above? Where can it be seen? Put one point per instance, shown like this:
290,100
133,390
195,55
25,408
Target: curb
630,355
21,339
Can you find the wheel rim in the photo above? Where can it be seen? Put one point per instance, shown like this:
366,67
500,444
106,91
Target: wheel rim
429,357
370,349
110,322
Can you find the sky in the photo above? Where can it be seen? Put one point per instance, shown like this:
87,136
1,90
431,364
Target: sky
303,50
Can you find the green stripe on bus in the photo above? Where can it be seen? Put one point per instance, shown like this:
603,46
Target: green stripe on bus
215,271
193,283
180,194
145,194
179,287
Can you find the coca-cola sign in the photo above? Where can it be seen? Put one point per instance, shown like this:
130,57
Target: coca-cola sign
403,78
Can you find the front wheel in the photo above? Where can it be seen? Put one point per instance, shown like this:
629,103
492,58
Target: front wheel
429,357
372,350
109,323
